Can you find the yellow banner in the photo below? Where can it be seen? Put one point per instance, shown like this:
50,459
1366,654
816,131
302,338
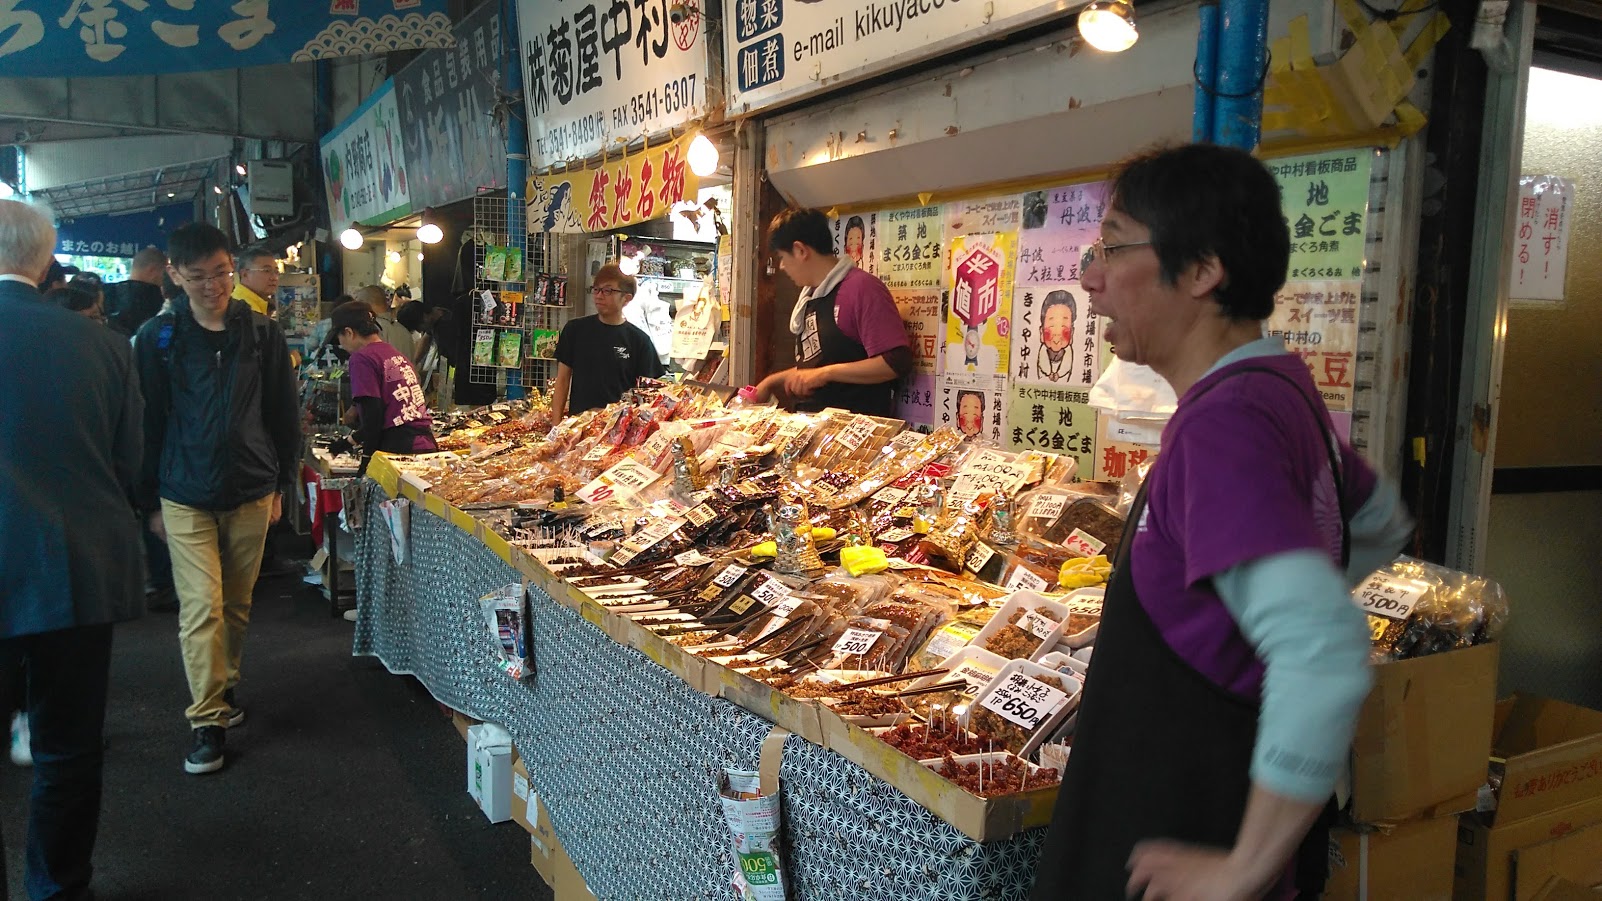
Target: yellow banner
617,194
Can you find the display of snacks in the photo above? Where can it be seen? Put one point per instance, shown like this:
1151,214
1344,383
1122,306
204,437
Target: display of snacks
990,775
1416,609
1028,625
922,741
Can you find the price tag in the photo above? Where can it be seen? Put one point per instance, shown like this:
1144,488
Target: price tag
945,643
890,496
598,452
700,515
858,432
824,490
1388,596
692,558
1025,701
771,591
788,605
972,673
729,576
896,535
623,480
748,489
1084,544
1025,579
791,427
856,642
711,592
898,563
1037,625
655,445
981,555
497,417
741,604
904,442
1047,506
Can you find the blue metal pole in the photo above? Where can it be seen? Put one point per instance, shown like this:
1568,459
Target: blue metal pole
1242,61
1202,122
516,155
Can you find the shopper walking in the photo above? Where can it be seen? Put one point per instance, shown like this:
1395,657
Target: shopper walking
131,303
70,454
222,441
257,270
1231,661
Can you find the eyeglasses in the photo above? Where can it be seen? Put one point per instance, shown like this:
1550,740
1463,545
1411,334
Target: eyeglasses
1101,250
219,278
272,269
599,291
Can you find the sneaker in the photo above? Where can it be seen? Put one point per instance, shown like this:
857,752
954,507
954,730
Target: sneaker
235,713
350,615
21,751
207,756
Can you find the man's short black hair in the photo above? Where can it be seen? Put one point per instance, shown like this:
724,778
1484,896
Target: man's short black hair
194,242
1203,200
810,227
251,254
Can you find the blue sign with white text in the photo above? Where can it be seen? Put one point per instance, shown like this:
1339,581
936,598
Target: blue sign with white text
121,235
140,37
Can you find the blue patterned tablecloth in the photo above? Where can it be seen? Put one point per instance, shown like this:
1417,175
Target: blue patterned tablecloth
620,749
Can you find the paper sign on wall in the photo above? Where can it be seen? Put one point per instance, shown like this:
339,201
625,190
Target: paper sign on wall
1541,239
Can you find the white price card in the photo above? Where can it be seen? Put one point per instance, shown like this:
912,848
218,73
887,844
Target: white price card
1388,596
1037,625
771,591
858,432
729,576
700,515
623,480
895,536
787,606
944,644
906,441
692,558
980,555
890,496
1025,579
898,563
856,642
598,452
1023,700
1047,506
1084,544
972,673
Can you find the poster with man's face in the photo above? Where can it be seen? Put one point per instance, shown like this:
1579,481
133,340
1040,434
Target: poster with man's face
1056,339
973,405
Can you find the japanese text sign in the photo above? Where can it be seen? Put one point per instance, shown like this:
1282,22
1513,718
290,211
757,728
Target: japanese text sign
595,71
1325,201
1057,226
910,248
633,189
1054,420
1318,321
445,97
978,324
1541,239
141,37
364,167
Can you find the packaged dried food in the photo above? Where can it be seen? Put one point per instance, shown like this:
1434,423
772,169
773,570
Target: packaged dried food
1022,705
990,775
1081,525
966,673
922,741
1027,626
1417,608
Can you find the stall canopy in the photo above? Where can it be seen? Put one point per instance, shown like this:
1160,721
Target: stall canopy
95,37
121,235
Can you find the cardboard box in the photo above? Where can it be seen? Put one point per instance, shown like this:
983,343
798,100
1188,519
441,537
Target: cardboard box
523,813
1564,890
1423,736
489,775
1575,859
462,722
550,858
1551,794
1410,862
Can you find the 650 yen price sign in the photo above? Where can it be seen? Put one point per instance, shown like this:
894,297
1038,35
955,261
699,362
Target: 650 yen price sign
1025,701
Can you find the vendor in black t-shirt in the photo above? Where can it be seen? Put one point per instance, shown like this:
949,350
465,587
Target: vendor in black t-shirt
599,357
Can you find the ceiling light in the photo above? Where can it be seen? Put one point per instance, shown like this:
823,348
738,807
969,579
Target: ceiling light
171,194
419,256
629,265
240,168
703,156
351,238
427,231
1108,25
216,189
393,256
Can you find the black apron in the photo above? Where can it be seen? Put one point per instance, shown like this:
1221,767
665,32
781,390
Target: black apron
1160,750
821,343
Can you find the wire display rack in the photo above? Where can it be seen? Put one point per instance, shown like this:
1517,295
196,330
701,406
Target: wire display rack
547,255
500,316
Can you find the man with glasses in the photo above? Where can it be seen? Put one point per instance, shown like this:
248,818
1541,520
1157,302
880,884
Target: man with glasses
257,268
222,441
600,357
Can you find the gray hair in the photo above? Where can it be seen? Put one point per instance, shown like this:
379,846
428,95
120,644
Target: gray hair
27,239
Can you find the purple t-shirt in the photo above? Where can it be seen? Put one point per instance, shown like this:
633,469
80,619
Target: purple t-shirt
379,370
1244,474
867,314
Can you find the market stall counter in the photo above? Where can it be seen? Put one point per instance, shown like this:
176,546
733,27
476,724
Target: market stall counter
327,476
622,750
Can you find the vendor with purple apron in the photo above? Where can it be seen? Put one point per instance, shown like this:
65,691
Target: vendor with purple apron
1230,661
851,347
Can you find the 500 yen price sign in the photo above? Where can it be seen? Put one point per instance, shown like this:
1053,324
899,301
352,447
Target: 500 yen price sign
1025,701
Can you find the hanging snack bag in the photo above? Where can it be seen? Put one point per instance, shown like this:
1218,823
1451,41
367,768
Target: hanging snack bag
754,822
506,614
484,347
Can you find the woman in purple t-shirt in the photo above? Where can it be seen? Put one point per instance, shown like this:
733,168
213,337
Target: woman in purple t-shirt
383,385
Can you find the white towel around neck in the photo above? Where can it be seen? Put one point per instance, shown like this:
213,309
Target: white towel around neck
829,283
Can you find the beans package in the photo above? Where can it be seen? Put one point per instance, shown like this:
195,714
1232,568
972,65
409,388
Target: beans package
1416,609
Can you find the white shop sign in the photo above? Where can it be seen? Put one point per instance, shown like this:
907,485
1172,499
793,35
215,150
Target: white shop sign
598,71
778,51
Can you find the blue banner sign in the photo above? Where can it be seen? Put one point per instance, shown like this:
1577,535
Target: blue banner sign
122,235
58,38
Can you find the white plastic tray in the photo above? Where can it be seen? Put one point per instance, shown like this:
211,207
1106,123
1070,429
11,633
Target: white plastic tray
1025,600
1047,727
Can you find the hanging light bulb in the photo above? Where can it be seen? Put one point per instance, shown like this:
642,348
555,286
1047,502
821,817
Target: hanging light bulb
703,156
393,256
351,238
419,256
629,265
428,232
216,189
240,168
1109,25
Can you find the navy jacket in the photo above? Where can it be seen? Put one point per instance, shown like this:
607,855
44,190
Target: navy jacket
70,441
222,428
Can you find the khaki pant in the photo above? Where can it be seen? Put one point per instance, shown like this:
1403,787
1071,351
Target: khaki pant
215,560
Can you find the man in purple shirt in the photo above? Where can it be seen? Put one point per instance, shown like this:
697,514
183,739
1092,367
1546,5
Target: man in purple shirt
1231,661
851,346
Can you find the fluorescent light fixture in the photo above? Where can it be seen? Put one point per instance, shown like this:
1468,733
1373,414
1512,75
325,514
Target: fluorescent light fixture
1109,25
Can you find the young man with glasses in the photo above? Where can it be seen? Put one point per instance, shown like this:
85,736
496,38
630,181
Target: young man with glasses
600,357
222,443
257,268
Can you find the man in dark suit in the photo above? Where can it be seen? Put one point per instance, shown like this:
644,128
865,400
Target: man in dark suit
69,456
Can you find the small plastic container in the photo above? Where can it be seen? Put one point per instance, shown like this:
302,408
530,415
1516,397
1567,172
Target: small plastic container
1050,721
1029,601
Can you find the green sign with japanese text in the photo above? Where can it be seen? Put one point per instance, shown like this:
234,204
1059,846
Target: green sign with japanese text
1325,200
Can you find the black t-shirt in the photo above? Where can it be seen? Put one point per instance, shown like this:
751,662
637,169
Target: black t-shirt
606,361
128,304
